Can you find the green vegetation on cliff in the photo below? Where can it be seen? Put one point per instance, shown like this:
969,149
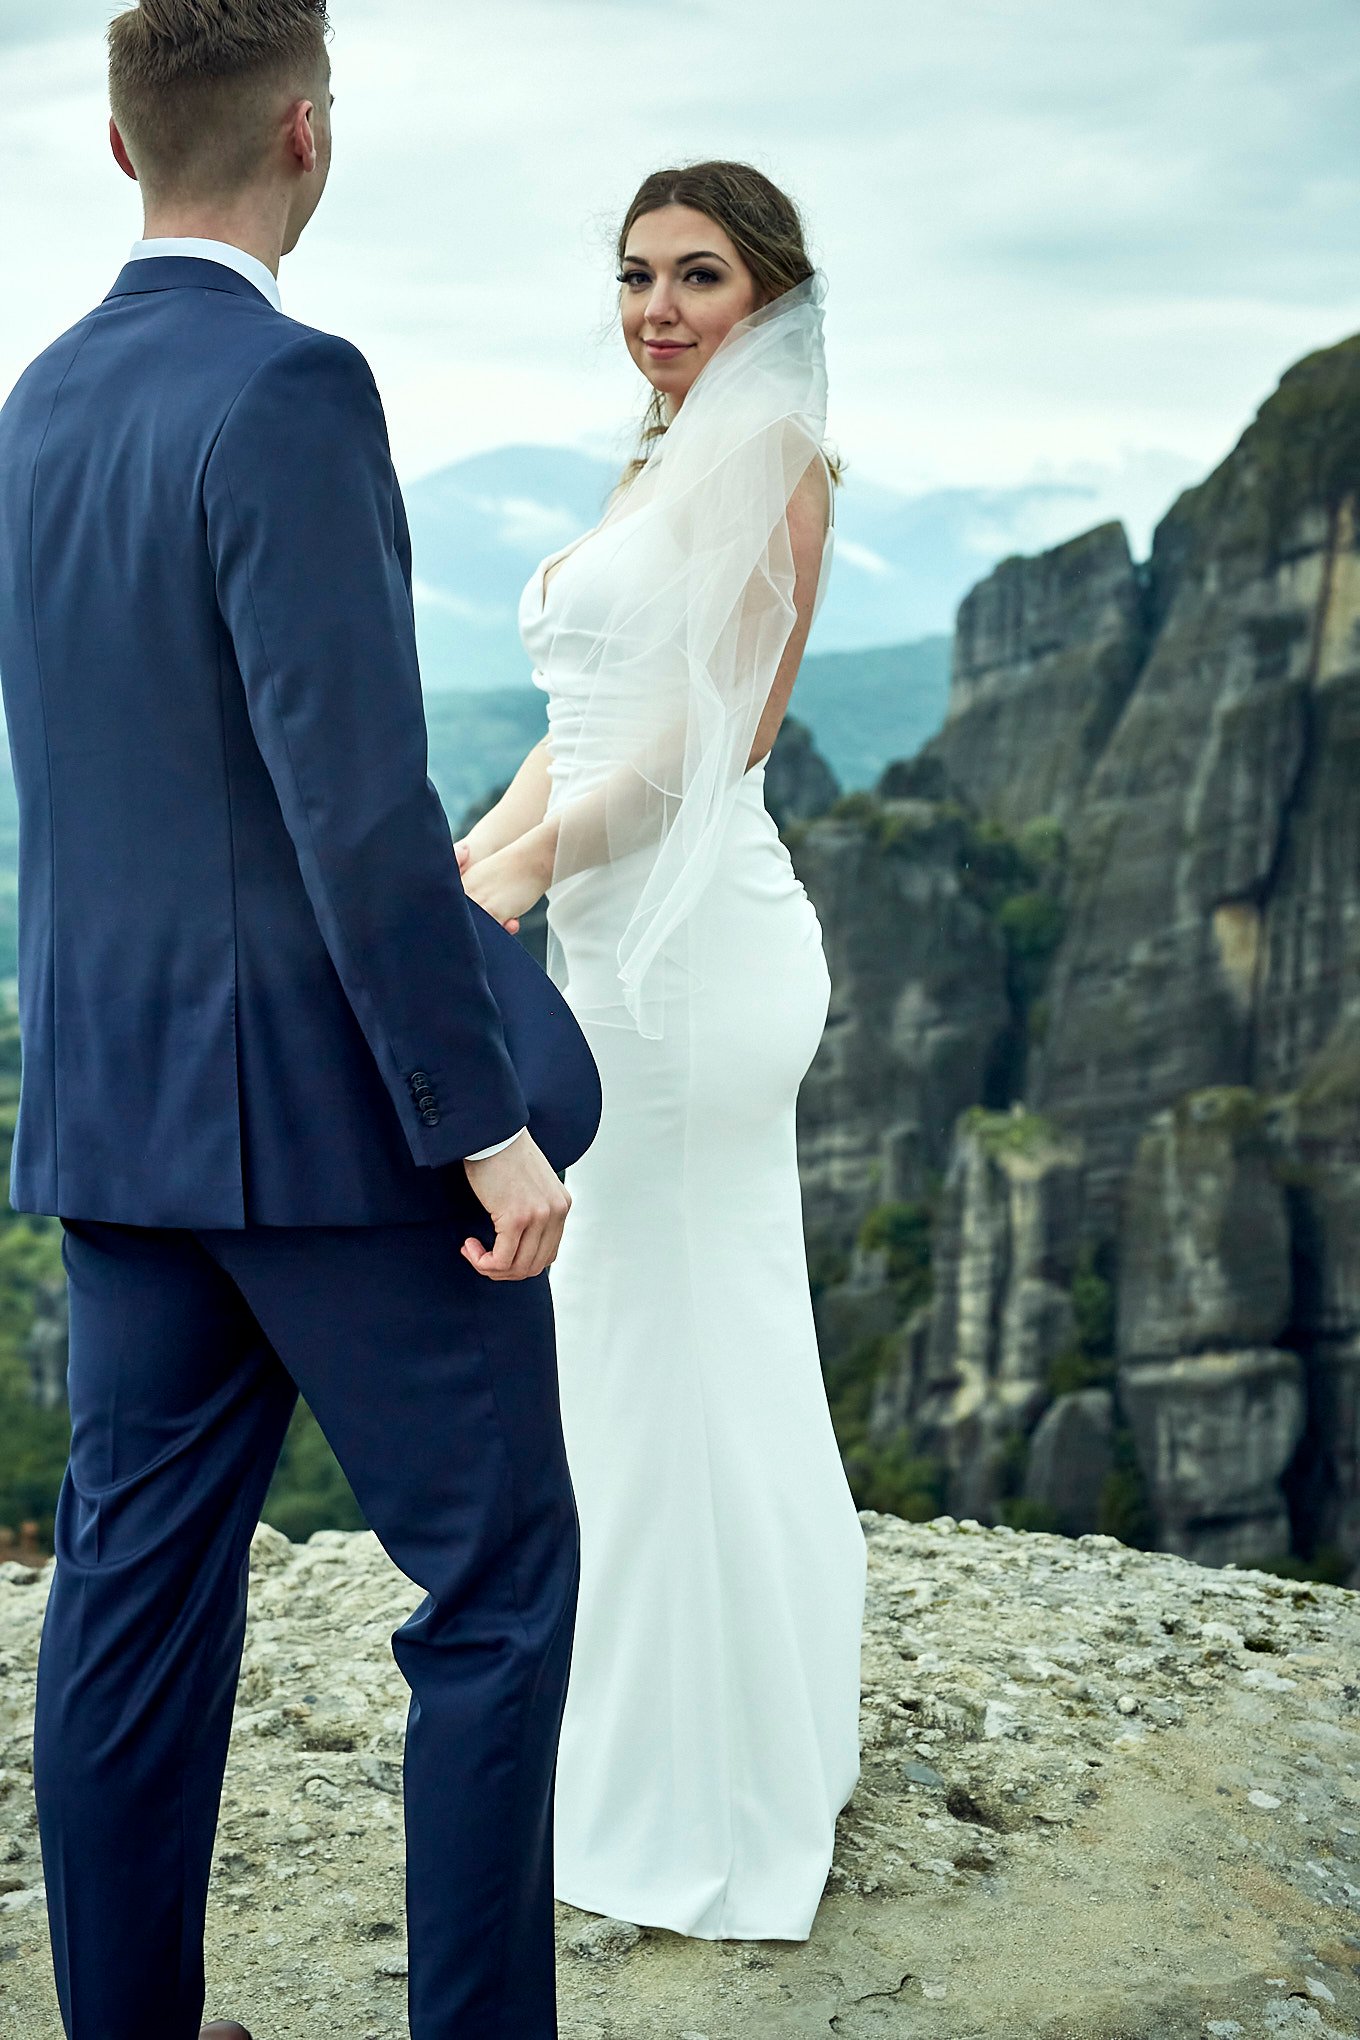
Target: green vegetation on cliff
33,1441
892,1476
309,1491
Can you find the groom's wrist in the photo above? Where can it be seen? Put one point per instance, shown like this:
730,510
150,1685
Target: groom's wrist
485,1154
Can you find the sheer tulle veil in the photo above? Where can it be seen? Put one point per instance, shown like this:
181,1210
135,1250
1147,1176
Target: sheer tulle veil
674,651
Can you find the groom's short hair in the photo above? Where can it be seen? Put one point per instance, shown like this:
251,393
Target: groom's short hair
194,85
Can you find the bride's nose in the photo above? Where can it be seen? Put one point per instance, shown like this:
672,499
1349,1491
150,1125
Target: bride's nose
661,304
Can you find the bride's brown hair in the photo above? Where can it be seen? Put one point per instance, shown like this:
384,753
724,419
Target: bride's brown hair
761,221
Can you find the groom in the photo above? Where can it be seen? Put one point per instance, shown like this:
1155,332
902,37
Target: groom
266,1084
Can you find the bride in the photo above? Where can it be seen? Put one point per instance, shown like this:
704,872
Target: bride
711,1731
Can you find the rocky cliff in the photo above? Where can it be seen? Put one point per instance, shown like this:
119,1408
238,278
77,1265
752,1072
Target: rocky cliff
1046,652
919,1009
1214,932
1105,1796
1170,753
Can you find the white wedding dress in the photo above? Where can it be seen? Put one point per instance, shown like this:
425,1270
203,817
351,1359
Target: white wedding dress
711,1730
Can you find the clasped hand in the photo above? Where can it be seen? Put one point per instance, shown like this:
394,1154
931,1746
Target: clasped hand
507,882
528,1207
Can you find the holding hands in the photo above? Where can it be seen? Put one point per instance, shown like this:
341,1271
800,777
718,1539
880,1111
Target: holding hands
506,865
509,880
506,861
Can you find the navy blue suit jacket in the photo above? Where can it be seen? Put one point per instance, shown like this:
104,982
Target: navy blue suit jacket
251,986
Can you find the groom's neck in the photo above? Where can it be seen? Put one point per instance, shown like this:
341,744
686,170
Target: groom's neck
257,225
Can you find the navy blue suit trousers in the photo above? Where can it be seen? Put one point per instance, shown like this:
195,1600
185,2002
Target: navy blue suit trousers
438,1392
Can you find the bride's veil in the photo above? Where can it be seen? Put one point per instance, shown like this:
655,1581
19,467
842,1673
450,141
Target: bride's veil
674,656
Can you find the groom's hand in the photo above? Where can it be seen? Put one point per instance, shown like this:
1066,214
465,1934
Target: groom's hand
528,1207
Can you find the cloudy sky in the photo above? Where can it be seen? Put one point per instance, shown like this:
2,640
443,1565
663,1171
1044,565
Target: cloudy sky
1063,239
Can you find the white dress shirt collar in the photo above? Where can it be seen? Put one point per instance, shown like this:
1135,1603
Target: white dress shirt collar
248,266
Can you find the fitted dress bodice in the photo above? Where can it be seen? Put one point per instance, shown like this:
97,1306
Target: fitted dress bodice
650,680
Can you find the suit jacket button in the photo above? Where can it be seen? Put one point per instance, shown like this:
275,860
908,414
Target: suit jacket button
431,1118
419,1080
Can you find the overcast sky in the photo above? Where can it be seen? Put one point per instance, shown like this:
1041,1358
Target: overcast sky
1062,237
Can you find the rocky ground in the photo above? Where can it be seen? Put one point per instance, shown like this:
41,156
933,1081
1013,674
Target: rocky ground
1106,1796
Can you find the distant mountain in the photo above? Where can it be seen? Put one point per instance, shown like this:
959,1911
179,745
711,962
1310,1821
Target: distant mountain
478,740
866,709
478,530
903,563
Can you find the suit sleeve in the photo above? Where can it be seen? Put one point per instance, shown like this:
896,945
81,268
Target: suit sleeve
308,544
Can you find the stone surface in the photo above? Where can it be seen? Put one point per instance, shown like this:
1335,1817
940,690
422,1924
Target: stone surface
1139,1818
47,1348
1071,1457
1317,1135
1215,1434
919,1004
1214,915
1204,1243
1045,653
799,784
862,1307
1004,1255
1169,755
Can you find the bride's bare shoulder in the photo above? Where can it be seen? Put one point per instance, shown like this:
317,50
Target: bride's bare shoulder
810,506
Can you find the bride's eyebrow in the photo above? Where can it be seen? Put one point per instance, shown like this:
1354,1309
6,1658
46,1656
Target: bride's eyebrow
700,254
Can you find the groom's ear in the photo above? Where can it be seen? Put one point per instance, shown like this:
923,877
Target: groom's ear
120,154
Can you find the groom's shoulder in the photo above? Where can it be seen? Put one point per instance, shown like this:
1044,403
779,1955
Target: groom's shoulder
289,364
47,370
240,351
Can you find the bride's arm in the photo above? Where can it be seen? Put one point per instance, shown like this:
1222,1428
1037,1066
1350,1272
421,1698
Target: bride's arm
520,808
809,516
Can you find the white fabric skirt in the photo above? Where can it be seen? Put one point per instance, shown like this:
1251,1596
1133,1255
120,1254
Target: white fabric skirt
711,1731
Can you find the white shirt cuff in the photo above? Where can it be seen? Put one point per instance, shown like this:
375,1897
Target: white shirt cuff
484,1154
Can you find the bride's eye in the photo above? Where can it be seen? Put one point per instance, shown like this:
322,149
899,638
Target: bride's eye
634,278
704,276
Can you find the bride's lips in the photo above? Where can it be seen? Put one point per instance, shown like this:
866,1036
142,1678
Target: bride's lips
666,350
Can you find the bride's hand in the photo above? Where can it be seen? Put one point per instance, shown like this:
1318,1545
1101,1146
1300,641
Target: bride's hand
479,843
511,881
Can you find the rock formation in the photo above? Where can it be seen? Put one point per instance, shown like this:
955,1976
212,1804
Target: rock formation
47,1347
799,784
1045,653
1214,913
919,1004
1183,979
1005,1255
1217,1408
1317,1133
1104,1794
1071,1458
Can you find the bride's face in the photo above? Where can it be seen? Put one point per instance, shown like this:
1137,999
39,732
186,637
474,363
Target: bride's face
682,288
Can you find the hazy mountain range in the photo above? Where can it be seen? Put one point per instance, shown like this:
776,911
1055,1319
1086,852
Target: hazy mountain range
875,682
903,563
864,709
